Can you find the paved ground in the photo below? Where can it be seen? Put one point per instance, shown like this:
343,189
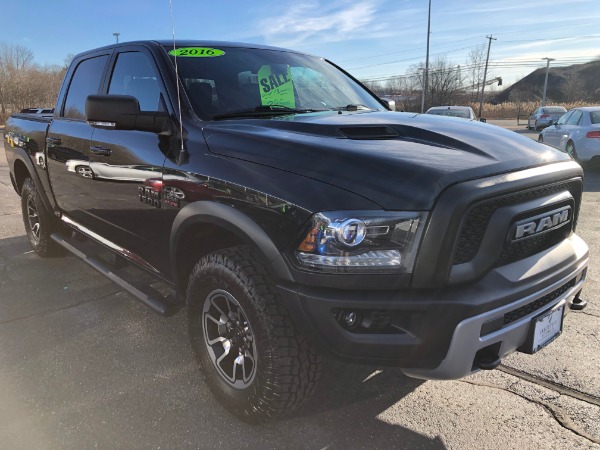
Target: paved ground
83,365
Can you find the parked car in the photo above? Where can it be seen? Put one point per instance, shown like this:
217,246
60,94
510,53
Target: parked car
544,116
464,112
576,132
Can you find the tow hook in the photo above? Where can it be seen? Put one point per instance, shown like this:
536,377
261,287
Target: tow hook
577,304
488,364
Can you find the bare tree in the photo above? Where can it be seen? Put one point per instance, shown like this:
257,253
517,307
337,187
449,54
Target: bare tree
374,86
24,84
474,74
572,87
445,81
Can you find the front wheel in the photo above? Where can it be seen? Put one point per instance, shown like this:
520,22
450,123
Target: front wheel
39,223
541,139
570,149
253,359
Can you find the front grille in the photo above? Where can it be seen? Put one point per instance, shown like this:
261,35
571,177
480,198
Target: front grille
478,218
516,251
538,304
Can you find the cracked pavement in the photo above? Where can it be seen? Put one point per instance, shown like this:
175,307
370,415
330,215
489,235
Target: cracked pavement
84,365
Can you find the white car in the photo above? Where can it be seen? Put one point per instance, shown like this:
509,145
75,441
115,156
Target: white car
464,112
577,133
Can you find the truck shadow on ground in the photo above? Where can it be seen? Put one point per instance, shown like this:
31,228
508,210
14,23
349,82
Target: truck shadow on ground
344,414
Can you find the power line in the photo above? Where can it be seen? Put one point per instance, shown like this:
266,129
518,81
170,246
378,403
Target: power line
501,65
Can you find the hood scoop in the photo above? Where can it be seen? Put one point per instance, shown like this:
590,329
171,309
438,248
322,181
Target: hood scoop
362,132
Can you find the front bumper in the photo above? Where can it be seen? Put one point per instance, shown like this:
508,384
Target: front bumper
441,333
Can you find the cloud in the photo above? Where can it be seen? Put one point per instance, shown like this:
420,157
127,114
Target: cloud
322,21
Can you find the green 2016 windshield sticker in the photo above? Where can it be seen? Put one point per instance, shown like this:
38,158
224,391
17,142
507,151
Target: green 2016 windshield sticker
276,88
197,52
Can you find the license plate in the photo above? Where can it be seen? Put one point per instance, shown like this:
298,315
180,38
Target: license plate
546,327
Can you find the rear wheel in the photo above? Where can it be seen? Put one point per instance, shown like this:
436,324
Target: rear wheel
39,223
252,357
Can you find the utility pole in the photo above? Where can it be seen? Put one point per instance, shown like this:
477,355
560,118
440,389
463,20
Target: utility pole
546,80
116,35
426,73
485,73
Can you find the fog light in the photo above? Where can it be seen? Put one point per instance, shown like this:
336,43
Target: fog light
350,319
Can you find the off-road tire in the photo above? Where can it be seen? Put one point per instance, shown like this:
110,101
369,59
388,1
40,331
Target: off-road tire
39,223
287,367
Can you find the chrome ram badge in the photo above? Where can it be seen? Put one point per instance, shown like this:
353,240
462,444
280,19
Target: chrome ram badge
550,220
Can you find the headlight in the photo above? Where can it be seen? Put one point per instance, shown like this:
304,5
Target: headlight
362,241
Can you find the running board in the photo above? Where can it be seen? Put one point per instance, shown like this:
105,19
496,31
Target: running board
89,252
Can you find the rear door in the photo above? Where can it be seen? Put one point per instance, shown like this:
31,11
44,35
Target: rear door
128,164
69,137
569,129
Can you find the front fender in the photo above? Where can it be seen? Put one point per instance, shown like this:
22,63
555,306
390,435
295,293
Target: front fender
235,222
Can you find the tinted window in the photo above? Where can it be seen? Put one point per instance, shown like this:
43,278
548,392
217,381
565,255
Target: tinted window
85,81
574,118
554,110
595,116
134,75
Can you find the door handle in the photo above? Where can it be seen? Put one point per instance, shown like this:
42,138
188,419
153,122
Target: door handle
53,141
102,151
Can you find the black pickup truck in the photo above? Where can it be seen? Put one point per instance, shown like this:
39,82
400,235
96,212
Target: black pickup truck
297,218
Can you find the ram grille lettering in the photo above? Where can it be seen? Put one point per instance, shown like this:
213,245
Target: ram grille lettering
542,223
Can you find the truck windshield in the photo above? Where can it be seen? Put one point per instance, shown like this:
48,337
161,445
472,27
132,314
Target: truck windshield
237,82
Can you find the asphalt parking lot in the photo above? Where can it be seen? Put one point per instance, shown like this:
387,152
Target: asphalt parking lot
83,365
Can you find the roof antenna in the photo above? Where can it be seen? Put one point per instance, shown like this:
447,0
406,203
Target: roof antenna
182,157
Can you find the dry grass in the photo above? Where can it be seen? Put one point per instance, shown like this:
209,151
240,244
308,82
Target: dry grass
510,110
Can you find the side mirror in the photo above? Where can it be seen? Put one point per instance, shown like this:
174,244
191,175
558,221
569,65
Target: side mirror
390,104
122,112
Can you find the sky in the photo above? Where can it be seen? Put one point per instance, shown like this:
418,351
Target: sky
372,39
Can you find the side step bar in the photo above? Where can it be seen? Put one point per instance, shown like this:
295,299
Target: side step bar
147,295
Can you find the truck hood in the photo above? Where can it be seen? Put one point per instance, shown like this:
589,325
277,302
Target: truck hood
399,161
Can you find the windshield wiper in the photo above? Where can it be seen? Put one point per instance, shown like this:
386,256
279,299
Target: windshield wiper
264,110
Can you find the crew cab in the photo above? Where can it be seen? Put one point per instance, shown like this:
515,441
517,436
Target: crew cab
297,218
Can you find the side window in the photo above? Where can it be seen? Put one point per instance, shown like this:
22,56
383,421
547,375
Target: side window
574,118
563,119
134,75
85,81
535,112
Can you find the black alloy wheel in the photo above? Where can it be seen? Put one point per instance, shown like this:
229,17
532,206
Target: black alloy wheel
39,223
253,359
